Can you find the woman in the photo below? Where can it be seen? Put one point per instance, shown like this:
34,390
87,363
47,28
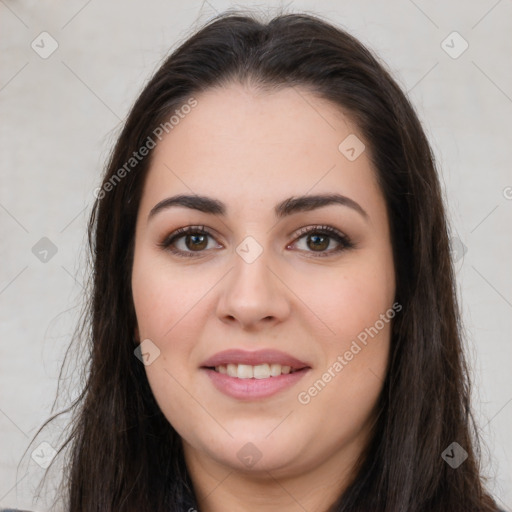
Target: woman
273,317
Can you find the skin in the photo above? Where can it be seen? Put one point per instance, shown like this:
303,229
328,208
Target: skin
251,150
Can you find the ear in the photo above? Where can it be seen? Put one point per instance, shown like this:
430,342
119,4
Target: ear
136,336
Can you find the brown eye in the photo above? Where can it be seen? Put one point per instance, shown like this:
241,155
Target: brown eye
187,241
196,242
193,241
318,242
318,239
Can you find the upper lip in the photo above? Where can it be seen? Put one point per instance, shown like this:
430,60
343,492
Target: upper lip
253,358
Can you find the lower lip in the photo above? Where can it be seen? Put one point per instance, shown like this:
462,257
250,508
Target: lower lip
253,388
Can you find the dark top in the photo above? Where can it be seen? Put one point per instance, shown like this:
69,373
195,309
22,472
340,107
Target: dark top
18,510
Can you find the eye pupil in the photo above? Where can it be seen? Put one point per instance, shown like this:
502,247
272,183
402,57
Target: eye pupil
195,237
320,246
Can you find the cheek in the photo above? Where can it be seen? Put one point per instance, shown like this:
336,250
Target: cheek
164,295
164,304
344,389
340,304
170,387
356,303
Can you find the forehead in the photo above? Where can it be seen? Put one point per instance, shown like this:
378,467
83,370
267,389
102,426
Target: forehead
241,144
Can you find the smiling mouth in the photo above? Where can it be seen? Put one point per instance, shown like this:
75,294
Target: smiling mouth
260,371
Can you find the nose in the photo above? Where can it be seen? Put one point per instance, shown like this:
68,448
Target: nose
253,294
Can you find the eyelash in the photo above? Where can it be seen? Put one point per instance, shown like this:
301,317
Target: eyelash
343,240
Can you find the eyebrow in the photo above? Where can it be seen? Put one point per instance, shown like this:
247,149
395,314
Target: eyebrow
283,209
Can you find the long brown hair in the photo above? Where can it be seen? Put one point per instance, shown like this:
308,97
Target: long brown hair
123,453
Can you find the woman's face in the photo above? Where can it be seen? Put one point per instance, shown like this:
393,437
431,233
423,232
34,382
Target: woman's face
259,282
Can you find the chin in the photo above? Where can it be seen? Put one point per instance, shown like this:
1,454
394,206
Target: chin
258,455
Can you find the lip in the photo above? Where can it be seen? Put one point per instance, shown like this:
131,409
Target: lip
250,389
253,358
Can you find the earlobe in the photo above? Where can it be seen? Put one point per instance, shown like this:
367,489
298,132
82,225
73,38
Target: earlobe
136,337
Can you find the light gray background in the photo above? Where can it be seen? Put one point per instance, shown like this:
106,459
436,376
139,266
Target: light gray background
60,116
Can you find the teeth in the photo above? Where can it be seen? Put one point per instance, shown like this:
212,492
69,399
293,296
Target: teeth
275,370
260,371
245,371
